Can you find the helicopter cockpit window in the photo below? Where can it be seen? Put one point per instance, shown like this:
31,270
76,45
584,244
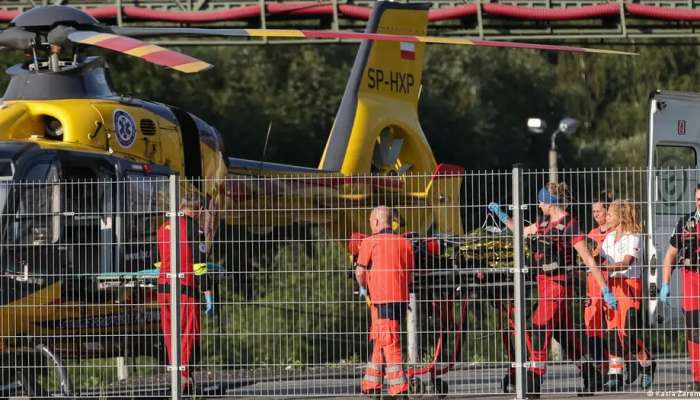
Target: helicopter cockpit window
37,203
7,170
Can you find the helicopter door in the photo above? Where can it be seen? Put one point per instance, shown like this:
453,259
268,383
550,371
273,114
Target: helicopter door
86,204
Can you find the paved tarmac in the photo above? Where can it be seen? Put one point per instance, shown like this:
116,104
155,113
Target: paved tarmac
467,382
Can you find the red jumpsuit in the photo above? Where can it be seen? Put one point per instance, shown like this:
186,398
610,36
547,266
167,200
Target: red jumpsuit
388,259
685,238
192,250
553,256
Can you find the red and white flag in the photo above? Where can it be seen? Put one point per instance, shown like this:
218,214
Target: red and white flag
408,50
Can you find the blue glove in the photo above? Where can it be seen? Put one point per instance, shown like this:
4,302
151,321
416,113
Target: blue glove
609,298
664,292
495,208
210,303
363,292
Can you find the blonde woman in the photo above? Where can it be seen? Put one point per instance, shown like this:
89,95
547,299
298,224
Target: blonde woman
621,252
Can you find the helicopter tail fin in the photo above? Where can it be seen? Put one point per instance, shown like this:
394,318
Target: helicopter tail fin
381,97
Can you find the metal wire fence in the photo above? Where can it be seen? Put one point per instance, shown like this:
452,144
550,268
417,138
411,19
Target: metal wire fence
157,286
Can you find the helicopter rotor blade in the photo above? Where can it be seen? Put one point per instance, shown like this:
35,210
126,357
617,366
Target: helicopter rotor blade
133,47
17,38
311,34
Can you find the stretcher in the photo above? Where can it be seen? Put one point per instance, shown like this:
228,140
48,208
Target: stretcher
478,265
145,278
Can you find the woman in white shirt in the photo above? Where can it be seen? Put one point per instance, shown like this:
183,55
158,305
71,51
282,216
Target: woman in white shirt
622,252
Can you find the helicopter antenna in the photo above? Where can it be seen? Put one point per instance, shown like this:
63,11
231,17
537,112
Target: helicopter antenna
267,139
36,61
54,58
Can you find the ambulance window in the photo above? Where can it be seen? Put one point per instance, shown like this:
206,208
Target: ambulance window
674,157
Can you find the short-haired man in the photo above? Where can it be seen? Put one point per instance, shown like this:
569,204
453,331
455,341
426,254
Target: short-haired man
384,268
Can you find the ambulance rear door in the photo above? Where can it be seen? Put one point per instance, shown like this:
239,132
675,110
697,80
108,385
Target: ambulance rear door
674,140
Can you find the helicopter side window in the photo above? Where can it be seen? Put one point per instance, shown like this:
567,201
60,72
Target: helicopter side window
36,220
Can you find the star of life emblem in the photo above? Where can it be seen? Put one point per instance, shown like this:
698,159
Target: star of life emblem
125,128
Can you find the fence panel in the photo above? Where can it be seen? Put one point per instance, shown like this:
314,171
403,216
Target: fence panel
270,304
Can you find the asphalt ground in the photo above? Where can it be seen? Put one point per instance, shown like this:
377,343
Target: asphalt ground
561,381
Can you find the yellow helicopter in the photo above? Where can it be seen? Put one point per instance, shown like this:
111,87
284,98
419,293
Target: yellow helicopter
60,120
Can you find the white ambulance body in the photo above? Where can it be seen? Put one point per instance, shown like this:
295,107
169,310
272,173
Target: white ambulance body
674,141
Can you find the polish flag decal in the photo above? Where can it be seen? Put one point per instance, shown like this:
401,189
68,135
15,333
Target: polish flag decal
408,50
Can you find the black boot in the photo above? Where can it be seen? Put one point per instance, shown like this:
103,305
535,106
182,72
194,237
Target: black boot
693,387
508,382
533,383
648,375
632,372
593,379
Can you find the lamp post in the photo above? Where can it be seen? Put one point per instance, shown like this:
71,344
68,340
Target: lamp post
567,126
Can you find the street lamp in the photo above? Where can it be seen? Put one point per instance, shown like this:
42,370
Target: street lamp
567,126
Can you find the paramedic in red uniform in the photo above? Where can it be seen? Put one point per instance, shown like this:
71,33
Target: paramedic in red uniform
555,238
384,269
193,254
684,248
593,311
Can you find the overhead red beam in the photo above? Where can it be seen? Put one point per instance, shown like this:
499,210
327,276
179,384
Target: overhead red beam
142,13
662,13
552,14
456,12
8,15
362,13
300,8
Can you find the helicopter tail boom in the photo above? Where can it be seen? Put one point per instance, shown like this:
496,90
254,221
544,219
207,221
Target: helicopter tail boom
382,93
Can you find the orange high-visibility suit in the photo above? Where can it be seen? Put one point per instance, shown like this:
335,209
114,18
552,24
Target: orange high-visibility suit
388,258
594,314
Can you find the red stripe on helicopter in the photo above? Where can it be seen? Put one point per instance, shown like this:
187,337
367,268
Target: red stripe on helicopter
357,35
447,170
120,43
168,58
531,46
